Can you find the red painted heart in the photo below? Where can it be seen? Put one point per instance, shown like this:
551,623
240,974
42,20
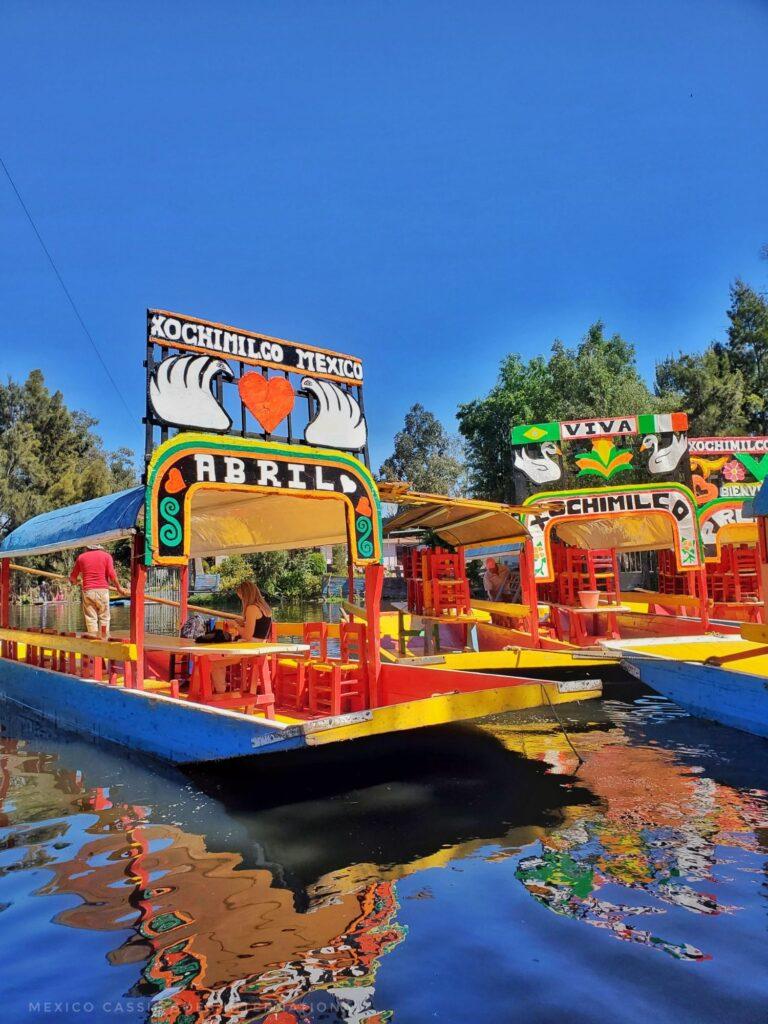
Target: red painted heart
174,482
269,401
703,489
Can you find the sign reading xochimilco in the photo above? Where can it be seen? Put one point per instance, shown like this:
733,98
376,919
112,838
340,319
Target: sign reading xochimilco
203,375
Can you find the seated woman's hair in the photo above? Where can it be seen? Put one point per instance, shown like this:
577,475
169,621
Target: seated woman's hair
249,594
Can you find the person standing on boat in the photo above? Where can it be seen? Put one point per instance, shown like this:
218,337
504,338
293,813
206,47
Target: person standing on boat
96,570
255,624
495,579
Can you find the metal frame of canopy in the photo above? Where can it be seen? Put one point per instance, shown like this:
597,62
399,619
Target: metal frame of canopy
470,522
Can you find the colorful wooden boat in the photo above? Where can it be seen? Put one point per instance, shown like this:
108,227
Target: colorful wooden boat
686,500
221,480
721,678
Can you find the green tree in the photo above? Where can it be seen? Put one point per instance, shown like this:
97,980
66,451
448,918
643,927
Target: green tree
707,387
339,559
295,575
747,348
597,378
50,456
425,455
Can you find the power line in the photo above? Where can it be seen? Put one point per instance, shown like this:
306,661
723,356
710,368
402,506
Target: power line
64,288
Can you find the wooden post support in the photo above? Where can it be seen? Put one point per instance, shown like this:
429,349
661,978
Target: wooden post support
700,584
138,580
528,588
183,594
350,580
374,584
5,592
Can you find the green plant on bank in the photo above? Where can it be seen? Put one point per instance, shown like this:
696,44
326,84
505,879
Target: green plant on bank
281,575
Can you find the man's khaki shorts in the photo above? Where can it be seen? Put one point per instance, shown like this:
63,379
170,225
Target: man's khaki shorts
96,611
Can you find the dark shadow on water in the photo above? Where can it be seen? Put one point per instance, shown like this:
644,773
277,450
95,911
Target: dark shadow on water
387,800
384,801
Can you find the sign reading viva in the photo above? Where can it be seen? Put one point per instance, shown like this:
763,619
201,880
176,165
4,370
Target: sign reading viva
186,332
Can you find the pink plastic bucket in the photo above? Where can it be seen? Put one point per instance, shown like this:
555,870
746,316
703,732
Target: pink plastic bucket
589,598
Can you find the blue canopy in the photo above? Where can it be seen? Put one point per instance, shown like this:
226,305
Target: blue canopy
760,504
91,522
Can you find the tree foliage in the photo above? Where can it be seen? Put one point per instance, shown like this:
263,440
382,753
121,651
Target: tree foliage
725,388
708,388
295,575
597,378
50,455
424,454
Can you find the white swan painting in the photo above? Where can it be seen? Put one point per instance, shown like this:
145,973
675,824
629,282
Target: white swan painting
338,421
664,460
181,392
543,470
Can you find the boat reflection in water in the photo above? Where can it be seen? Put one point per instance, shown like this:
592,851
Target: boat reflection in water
243,895
660,825
233,934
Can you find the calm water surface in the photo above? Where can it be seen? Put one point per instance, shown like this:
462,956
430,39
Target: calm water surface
454,875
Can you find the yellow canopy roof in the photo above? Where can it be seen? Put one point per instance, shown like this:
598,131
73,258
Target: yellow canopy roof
460,522
236,522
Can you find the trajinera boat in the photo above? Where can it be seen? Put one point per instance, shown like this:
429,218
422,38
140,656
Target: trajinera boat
722,678
253,443
645,533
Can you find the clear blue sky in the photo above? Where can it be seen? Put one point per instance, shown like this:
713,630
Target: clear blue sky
428,184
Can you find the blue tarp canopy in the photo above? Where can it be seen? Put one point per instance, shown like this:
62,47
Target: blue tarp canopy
91,522
760,504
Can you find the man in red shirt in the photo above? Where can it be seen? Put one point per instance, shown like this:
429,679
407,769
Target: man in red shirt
96,570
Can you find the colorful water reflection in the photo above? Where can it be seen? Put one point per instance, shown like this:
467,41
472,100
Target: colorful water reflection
659,833
200,918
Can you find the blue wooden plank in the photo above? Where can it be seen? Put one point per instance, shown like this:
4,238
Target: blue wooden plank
736,699
171,730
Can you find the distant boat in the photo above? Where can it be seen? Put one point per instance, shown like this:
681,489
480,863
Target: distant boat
721,678
734,693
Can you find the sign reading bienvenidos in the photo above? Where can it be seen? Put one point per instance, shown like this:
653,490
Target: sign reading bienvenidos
207,376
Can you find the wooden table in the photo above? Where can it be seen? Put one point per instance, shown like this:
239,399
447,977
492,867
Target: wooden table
574,615
432,624
256,678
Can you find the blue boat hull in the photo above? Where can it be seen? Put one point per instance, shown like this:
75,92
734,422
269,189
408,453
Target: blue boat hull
149,722
731,698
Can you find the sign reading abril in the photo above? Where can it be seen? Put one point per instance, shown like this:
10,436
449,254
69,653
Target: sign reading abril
183,467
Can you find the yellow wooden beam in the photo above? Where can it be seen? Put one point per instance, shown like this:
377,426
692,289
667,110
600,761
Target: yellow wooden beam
503,608
449,707
665,600
356,610
116,650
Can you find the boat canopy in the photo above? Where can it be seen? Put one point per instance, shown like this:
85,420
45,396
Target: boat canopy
459,522
98,521
646,531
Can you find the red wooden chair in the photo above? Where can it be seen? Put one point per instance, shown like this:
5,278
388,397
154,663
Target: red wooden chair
291,673
336,686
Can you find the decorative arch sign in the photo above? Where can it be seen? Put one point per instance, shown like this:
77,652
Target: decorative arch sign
718,514
675,502
601,452
192,462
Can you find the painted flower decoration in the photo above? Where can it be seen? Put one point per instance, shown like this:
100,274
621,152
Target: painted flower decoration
604,460
734,471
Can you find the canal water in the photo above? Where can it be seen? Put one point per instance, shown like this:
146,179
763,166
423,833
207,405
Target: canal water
455,874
